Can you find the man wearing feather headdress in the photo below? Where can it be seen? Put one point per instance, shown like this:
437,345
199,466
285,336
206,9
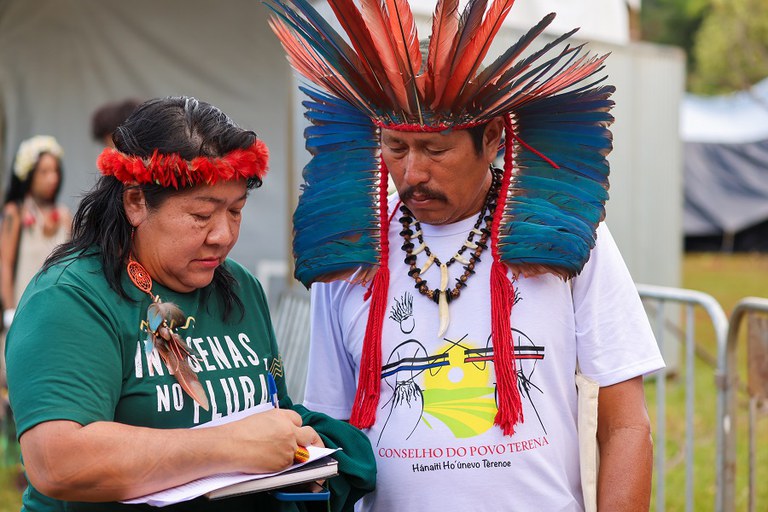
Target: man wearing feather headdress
450,319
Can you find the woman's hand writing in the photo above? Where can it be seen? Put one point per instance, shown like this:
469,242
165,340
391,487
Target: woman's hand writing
266,442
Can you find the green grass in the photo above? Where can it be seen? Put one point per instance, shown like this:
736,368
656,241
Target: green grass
727,279
10,497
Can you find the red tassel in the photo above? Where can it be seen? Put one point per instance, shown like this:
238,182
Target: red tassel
510,409
369,382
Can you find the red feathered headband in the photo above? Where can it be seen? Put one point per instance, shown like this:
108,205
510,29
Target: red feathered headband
170,170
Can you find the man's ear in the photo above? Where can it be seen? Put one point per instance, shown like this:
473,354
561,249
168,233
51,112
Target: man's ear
135,205
492,138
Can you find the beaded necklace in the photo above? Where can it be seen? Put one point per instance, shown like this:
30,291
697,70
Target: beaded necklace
442,295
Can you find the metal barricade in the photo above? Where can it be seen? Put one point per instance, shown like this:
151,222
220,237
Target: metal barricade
690,299
748,308
291,321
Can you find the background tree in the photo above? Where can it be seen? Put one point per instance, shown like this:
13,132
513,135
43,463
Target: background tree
726,41
730,50
673,22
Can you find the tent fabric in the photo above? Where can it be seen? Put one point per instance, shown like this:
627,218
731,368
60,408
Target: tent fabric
61,59
725,161
726,187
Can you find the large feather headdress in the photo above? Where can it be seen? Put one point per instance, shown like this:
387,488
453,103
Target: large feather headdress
555,178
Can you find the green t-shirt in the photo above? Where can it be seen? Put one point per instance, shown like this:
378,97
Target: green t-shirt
76,352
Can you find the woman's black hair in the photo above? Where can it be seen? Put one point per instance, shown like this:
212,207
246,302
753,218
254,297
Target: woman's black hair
181,125
20,188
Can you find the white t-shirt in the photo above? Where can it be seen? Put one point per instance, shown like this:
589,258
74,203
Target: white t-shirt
434,439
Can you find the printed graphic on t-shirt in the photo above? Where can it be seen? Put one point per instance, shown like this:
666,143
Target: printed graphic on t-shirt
218,362
453,384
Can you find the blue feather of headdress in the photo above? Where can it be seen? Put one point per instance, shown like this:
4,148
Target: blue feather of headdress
547,246
538,211
551,214
336,221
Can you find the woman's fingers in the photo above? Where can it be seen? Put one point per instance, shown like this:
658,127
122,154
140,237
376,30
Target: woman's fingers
309,437
269,440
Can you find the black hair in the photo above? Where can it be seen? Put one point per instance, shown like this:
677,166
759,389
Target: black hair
181,125
108,117
20,188
477,132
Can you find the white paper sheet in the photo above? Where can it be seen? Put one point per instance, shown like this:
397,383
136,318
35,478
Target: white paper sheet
199,487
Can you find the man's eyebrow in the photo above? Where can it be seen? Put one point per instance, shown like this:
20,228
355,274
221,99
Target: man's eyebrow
391,138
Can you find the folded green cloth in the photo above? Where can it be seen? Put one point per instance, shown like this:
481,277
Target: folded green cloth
357,464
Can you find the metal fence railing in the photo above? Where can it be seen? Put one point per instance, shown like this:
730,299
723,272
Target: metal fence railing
755,311
663,307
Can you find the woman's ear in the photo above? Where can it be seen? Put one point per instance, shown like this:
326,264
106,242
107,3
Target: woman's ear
492,138
135,205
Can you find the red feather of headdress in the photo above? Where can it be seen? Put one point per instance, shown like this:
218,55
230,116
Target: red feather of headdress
407,47
381,32
582,68
487,80
353,23
469,58
445,24
307,61
469,23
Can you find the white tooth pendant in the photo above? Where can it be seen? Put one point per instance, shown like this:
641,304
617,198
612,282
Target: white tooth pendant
427,264
442,303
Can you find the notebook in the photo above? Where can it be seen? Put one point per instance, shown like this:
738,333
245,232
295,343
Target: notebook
320,469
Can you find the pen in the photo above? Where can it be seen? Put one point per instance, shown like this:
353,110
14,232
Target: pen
272,389
302,454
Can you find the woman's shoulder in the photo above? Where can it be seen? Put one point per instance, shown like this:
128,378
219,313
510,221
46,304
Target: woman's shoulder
82,270
72,279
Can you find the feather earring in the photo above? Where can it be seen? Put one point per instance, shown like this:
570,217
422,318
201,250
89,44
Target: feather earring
163,318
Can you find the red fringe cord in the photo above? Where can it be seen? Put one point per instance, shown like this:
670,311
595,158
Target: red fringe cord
369,382
510,411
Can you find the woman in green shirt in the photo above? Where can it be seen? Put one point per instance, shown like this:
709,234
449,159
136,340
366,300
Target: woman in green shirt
141,327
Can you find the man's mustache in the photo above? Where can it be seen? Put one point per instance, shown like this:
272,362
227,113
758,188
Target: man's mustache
422,191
